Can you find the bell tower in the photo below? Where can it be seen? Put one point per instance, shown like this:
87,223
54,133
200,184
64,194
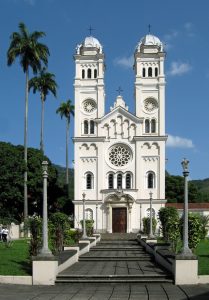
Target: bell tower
89,86
150,84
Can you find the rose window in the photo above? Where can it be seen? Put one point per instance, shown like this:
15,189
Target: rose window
150,104
119,156
89,106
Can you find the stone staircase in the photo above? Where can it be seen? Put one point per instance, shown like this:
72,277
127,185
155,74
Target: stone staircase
114,261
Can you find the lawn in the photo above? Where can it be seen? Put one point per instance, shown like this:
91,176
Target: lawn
15,258
202,251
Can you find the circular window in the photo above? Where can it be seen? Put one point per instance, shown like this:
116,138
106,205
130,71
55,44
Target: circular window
89,105
150,104
119,155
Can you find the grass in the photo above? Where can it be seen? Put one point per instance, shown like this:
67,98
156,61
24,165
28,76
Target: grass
202,251
15,258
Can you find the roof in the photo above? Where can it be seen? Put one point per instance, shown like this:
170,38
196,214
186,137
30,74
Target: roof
201,206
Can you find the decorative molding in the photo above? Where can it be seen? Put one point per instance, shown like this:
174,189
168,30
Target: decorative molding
89,139
158,138
147,201
150,158
88,159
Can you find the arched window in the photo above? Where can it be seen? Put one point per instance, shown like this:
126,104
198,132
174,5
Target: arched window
89,73
119,181
128,181
89,214
89,181
150,180
86,127
147,125
110,181
95,73
144,72
83,73
153,126
91,127
156,72
149,72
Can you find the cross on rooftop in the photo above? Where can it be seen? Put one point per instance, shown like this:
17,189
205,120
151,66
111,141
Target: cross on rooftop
119,90
90,29
149,28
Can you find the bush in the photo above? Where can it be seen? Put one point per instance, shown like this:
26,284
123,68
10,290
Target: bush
34,225
194,229
146,225
167,216
89,227
204,221
71,237
59,224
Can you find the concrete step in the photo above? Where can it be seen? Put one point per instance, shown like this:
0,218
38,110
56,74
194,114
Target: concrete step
99,248
116,258
113,278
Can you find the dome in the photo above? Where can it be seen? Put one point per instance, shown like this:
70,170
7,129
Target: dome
150,40
90,42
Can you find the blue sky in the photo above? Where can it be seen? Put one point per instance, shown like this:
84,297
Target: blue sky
182,25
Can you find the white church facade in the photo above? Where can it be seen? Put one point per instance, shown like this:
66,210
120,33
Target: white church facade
119,156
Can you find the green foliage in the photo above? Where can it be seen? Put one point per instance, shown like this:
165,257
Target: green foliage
167,215
71,237
202,251
11,182
194,229
174,189
59,225
89,226
146,225
34,225
204,222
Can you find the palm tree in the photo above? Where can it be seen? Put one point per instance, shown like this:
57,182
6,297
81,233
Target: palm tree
31,53
44,83
66,109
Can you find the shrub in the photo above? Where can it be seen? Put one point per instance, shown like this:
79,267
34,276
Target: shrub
59,224
146,225
89,227
71,236
204,221
34,225
167,216
194,229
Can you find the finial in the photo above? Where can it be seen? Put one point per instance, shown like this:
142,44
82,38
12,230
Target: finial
119,90
149,28
90,29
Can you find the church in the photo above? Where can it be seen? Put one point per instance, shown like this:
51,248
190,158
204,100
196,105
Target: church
119,158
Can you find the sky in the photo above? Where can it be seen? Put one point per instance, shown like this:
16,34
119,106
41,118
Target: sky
183,26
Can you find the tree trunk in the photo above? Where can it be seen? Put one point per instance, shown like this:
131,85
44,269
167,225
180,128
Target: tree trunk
67,163
42,124
25,149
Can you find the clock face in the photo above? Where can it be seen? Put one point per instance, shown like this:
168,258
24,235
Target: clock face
150,105
89,105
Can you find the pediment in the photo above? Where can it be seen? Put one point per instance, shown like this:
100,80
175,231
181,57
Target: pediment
116,112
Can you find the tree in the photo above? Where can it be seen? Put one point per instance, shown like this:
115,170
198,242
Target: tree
11,184
174,189
44,83
26,46
66,109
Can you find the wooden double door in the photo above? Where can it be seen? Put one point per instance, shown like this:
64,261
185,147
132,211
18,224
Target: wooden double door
119,219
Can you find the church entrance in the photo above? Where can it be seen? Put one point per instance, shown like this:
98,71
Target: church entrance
119,219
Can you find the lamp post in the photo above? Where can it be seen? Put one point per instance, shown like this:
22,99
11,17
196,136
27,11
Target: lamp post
151,236
45,249
84,236
186,251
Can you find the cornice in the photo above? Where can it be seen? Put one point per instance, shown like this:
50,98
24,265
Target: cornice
89,139
151,138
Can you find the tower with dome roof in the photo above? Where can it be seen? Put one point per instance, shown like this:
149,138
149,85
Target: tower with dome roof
119,156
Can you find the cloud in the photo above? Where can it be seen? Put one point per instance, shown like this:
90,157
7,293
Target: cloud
125,62
179,68
179,142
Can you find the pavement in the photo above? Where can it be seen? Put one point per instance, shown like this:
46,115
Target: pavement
111,270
